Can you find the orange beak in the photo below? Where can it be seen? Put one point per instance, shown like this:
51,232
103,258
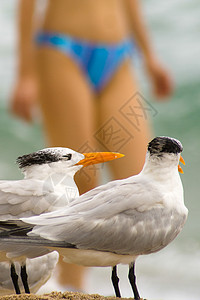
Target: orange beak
179,167
98,157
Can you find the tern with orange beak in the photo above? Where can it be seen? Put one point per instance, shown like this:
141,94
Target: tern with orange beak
48,185
116,222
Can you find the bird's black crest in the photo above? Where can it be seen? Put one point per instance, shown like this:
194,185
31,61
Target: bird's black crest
160,145
37,158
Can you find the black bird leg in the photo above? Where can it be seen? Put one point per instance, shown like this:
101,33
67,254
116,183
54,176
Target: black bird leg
14,277
115,281
132,279
24,278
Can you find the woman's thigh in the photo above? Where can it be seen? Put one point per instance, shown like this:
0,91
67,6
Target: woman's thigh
67,105
123,123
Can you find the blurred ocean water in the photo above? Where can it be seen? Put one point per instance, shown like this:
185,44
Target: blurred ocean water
174,273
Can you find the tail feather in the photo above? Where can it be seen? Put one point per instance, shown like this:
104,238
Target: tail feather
14,227
32,241
15,232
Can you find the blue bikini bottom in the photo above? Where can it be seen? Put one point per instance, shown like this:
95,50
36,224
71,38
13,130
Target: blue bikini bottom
98,61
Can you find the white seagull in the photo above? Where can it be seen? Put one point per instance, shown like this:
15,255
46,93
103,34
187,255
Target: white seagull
116,222
48,185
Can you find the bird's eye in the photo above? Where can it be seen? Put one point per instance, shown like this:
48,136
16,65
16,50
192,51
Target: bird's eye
68,156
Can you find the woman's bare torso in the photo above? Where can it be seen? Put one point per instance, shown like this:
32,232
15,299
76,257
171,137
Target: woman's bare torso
94,20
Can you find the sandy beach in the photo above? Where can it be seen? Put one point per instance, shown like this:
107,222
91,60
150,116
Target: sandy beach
59,296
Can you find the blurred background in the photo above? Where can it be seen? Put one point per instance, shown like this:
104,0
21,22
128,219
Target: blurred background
173,273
